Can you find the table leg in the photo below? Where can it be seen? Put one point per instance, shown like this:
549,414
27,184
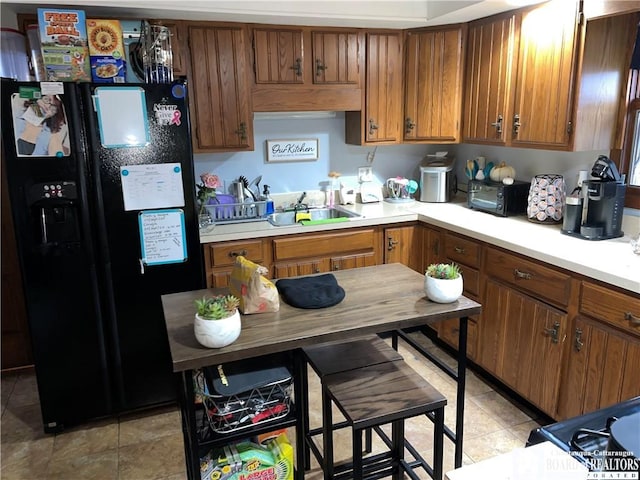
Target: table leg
462,379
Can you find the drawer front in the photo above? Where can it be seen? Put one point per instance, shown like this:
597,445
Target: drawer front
610,306
324,244
225,253
461,250
542,281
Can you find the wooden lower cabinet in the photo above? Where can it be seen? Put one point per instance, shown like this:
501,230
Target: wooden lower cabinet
521,342
448,332
603,368
325,252
403,245
220,257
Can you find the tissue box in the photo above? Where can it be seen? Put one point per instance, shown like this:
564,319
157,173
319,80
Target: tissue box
106,49
250,461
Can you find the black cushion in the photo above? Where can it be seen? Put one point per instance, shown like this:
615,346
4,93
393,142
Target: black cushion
311,292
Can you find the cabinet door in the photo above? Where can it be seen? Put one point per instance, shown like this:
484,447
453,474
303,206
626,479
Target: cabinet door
403,245
521,342
346,262
220,96
278,55
603,368
383,110
432,248
488,80
433,85
303,267
544,84
335,57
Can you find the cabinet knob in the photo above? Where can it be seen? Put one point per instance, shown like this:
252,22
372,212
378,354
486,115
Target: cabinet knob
391,243
517,274
320,68
553,332
409,125
633,319
458,249
241,253
297,67
372,126
516,125
242,131
578,343
498,124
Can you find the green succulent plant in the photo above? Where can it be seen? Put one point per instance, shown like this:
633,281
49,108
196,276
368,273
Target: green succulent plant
218,307
443,270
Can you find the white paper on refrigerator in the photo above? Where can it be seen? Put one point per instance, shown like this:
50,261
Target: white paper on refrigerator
162,236
157,185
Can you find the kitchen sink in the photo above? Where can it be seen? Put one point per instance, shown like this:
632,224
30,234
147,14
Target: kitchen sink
283,219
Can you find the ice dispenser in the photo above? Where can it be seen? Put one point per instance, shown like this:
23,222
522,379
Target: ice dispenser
54,214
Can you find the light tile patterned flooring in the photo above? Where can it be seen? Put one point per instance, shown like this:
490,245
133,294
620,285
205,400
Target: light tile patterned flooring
148,446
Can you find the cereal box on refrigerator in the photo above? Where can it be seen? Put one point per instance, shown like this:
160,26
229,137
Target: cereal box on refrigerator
106,49
63,37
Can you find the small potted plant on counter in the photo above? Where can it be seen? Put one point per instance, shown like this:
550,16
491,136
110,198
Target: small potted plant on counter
217,321
443,282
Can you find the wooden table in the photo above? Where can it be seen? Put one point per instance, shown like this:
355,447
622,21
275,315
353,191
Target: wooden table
378,299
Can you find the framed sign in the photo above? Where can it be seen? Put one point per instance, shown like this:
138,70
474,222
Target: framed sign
292,150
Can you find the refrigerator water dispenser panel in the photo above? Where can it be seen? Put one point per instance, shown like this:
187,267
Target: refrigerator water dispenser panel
54,214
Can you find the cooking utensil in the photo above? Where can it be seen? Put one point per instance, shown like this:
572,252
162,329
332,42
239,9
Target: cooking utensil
247,191
256,181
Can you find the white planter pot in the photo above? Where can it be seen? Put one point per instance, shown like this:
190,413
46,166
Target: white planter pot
217,333
442,290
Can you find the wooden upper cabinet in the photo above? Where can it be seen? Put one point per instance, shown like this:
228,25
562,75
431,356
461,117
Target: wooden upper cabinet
544,85
336,57
220,101
433,85
381,120
278,55
543,77
488,79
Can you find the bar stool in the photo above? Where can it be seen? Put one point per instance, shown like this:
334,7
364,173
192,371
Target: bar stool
330,358
370,397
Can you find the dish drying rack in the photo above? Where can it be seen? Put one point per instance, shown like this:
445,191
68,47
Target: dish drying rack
238,212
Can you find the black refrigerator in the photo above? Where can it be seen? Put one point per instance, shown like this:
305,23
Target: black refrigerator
102,192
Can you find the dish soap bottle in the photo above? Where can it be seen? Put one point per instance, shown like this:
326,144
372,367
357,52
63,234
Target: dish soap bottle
267,197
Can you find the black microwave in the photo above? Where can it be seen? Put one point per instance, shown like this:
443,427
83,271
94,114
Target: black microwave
497,197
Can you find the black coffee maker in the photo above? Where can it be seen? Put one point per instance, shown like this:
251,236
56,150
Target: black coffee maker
599,215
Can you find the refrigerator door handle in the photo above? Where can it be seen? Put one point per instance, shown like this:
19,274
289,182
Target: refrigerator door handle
141,266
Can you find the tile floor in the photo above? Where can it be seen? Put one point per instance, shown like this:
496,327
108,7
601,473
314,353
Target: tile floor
148,446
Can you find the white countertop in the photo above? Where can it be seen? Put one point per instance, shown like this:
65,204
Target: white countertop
611,261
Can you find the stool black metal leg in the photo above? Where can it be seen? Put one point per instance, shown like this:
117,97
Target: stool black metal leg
397,448
438,440
327,435
357,454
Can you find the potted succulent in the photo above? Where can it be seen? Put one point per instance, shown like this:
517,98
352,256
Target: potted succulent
443,282
217,321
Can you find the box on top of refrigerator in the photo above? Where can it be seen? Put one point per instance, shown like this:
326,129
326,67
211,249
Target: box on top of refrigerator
63,40
106,49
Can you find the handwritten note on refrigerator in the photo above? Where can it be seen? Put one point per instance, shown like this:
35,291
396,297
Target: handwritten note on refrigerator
152,186
162,236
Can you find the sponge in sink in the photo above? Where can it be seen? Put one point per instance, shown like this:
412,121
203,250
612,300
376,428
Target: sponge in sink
323,221
302,216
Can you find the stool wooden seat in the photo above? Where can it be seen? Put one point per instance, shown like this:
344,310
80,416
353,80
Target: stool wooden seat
376,395
329,358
